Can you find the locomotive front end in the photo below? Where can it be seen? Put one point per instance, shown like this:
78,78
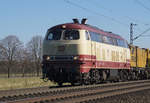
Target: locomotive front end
61,49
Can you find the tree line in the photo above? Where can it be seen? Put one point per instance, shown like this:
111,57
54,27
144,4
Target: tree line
17,58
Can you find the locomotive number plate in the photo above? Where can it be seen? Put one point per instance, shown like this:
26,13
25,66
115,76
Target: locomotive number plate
61,48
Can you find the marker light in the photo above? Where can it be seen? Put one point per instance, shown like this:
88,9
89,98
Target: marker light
63,26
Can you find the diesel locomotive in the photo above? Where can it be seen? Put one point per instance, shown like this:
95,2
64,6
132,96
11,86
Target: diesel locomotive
81,53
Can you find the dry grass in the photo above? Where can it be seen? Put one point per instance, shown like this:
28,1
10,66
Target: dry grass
18,75
27,82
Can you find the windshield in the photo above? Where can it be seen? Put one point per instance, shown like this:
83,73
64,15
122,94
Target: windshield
54,34
71,35
65,34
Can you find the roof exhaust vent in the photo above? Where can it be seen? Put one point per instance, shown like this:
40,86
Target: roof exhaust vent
109,32
84,20
76,21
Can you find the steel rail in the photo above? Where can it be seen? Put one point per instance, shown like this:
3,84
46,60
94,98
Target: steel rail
85,93
17,92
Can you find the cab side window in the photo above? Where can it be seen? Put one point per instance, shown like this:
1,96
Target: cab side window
95,37
122,43
110,39
126,44
115,41
50,36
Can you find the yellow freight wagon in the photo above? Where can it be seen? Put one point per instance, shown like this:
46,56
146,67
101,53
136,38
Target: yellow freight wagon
148,58
138,57
133,55
141,57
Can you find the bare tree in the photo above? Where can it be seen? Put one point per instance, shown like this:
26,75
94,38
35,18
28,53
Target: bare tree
10,48
22,57
27,64
35,48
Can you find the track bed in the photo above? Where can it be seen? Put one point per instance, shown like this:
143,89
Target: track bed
80,94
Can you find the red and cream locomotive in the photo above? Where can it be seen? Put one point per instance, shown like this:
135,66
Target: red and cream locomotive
80,53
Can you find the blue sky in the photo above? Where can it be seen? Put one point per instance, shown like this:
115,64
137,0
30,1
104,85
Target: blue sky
27,18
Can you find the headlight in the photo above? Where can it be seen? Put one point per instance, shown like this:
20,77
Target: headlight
48,58
75,57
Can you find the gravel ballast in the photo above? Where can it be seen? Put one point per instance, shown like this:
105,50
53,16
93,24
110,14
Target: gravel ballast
135,97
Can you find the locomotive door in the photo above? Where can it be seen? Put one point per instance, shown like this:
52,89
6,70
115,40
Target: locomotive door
93,52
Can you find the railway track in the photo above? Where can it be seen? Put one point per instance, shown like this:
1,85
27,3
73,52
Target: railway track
23,91
79,94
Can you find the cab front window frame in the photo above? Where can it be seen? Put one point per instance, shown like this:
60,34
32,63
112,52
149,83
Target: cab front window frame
63,34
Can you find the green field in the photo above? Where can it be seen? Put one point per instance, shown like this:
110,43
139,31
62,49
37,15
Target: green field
26,82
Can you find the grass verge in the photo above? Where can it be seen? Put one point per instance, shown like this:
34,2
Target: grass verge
27,82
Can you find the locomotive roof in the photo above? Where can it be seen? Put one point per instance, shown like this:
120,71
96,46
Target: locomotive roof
87,27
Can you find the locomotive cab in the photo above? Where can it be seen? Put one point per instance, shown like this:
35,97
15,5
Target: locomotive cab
61,48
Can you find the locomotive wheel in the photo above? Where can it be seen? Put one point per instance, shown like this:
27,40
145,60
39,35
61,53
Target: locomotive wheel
95,76
133,76
146,74
123,75
85,79
104,75
85,82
